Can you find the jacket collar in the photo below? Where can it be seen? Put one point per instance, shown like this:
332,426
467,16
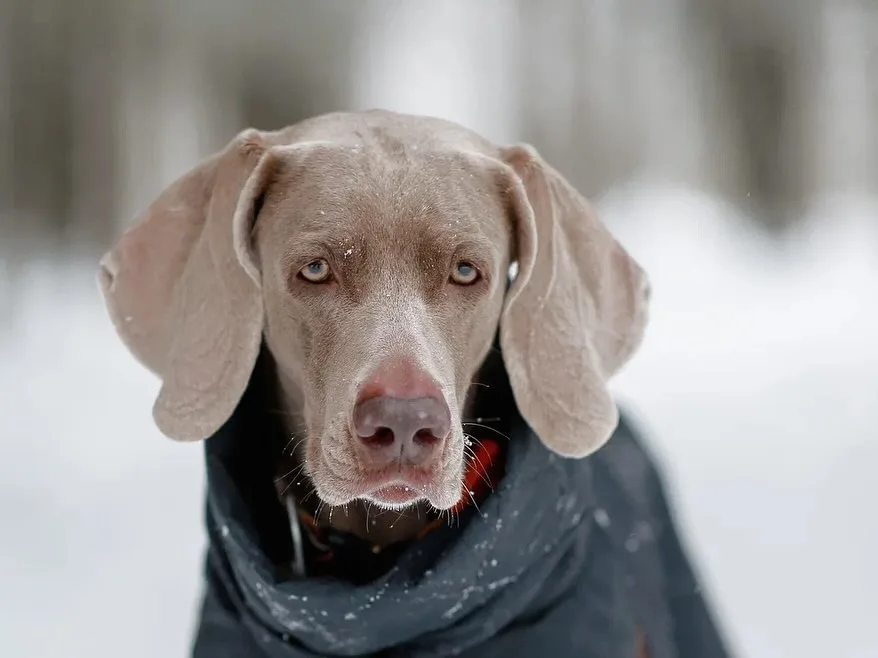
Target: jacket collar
447,592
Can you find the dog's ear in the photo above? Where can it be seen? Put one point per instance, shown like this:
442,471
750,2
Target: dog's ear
575,313
183,294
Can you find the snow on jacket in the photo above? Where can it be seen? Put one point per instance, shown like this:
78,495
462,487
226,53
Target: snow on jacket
565,559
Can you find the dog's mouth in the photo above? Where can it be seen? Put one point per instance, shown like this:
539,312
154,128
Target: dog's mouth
399,487
395,495
395,486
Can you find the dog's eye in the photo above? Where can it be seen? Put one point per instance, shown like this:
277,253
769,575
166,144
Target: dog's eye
465,274
317,271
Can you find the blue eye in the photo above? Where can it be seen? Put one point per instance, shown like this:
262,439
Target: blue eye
464,273
317,271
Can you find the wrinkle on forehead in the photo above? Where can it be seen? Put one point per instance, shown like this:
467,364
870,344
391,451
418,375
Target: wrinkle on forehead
346,202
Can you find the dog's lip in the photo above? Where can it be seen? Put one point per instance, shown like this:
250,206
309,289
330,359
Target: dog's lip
356,483
415,480
397,485
395,493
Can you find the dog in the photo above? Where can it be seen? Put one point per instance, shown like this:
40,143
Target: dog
355,270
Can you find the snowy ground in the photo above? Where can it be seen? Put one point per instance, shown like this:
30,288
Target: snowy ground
758,384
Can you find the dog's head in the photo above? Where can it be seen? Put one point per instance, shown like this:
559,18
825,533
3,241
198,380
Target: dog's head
370,252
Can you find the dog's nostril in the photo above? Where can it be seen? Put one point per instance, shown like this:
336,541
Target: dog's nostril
383,436
426,437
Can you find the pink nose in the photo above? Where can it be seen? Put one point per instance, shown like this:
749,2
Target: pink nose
401,414
413,429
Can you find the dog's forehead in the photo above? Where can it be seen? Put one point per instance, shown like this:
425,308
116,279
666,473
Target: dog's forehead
376,185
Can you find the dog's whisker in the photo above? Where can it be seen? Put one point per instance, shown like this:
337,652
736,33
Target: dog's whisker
292,480
475,504
298,443
293,437
488,427
472,455
288,473
309,494
398,517
472,441
287,445
481,472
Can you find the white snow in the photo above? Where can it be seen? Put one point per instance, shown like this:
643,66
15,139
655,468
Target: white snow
101,517
757,383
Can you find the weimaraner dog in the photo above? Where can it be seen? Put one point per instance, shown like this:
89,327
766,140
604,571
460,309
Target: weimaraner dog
370,253
353,275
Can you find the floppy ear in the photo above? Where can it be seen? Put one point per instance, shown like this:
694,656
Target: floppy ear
575,313
180,298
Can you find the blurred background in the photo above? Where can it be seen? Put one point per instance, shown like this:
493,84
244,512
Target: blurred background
731,144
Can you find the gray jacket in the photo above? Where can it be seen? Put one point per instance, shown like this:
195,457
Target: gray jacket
566,559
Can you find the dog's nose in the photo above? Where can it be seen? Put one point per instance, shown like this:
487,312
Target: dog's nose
413,429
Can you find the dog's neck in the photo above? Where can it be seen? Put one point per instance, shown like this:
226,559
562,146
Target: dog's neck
376,526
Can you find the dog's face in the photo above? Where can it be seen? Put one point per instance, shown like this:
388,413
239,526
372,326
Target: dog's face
382,297
369,251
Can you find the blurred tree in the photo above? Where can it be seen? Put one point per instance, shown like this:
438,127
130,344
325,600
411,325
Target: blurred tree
763,63
105,101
